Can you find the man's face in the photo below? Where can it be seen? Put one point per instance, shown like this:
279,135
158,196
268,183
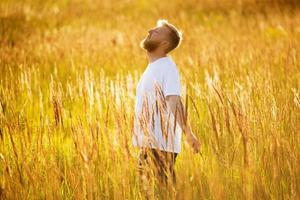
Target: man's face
157,38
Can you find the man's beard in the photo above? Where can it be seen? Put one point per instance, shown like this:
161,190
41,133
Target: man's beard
149,45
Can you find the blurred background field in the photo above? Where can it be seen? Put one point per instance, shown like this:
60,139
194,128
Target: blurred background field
68,72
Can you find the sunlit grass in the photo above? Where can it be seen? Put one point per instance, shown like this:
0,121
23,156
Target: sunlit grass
67,92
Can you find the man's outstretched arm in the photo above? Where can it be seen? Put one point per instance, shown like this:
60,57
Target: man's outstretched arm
175,104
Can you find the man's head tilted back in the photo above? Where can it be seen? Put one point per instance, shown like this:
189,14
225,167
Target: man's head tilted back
164,37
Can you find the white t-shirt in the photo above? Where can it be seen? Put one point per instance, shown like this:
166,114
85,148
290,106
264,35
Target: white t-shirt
154,123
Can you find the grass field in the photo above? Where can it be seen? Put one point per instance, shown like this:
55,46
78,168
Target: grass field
68,73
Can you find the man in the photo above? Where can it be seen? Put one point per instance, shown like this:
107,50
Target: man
159,112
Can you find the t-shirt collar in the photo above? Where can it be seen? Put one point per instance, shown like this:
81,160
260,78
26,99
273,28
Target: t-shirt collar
159,59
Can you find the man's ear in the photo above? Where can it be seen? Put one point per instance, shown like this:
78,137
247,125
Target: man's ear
166,44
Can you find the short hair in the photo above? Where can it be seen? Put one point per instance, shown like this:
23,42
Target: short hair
175,34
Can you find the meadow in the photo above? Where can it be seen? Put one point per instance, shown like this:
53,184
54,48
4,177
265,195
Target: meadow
68,74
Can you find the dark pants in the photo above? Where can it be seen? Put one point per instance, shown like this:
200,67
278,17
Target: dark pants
162,162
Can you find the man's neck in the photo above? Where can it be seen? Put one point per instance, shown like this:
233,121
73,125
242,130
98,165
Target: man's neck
152,56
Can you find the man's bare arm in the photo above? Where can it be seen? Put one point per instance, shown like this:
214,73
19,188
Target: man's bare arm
175,104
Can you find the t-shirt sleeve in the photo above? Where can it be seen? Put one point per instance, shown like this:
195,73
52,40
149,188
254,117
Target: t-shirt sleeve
171,83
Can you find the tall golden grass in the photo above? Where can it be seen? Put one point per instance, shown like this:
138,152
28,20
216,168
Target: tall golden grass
67,90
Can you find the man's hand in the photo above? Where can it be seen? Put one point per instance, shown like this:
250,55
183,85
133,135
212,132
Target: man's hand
193,141
175,104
